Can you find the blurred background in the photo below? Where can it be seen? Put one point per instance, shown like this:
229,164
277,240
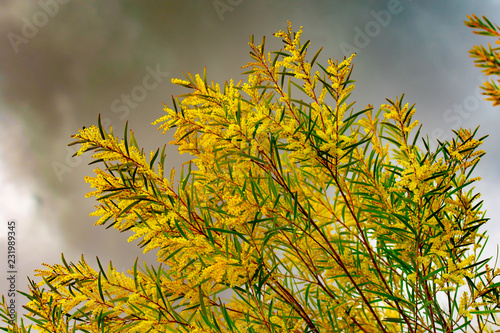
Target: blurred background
62,62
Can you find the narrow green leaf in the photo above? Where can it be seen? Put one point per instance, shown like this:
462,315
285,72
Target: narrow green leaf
316,56
125,139
101,130
233,232
99,284
101,269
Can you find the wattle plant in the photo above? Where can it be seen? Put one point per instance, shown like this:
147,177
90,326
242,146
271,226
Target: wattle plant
296,213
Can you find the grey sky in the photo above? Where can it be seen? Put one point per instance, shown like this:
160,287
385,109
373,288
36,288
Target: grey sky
88,54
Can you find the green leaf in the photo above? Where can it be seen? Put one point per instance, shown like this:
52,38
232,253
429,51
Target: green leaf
389,296
100,268
484,311
99,284
394,320
316,56
77,142
435,272
101,130
125,139
304,47
133,141
233,232
284,54
96,161
203,309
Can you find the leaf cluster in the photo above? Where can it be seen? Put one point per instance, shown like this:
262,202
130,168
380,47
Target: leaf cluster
487,58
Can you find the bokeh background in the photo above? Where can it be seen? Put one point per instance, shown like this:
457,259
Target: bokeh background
63,62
